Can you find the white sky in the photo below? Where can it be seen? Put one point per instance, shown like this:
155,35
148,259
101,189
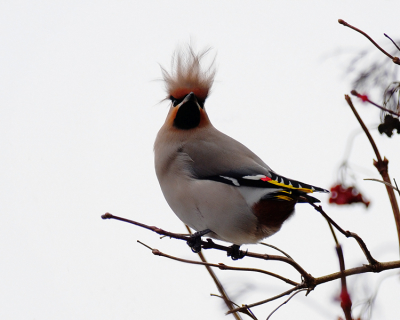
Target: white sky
78,116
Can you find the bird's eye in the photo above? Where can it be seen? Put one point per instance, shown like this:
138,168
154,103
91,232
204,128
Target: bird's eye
175,101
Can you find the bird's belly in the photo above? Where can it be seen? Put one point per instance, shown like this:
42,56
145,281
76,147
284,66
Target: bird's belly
206,204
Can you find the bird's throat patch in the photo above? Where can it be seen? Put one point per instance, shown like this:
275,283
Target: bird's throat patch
188,116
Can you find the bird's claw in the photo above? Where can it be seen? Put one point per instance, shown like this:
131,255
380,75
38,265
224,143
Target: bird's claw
235,253
195,240
195,244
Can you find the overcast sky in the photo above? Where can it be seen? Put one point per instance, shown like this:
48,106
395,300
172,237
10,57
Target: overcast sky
79,112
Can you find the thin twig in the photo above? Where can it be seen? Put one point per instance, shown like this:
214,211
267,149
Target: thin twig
221,266
348,234
284,302
218,296
344,295
397,187
180,236
143,244
307,277
368,303
385,183
248,311
350,103
276,248
365,98
333,232
392,41
309,281
209,244
221,289
359,270
317,281
396,60
218,283
382,166
268,300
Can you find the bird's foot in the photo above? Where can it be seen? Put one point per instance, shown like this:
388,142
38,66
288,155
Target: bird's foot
235,253
195,240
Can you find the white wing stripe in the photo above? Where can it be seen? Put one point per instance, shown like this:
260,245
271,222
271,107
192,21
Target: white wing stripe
256,177
234,181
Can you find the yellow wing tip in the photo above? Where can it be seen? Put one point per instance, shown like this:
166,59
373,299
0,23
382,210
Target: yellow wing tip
306,190
282,197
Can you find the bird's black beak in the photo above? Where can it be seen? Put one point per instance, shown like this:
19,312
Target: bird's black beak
188,113
191,99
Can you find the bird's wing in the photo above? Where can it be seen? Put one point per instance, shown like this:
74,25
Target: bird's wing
220,158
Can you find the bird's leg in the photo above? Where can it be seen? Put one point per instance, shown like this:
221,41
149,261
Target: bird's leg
235,253
195,240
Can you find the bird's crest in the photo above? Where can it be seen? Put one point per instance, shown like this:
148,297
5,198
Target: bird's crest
187,75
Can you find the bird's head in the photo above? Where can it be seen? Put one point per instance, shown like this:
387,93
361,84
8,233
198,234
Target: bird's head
188,85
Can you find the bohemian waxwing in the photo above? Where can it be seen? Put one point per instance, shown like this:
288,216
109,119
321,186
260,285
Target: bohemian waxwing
213,183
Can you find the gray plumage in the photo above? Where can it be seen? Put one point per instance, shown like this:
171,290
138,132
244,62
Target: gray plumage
210,180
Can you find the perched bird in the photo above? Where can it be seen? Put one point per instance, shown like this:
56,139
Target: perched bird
213,183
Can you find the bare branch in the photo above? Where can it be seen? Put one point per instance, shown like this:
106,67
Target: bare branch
345,301
247,311
396,60
284,302
221,266
309,282
350,103
268,300
271,246
145,245
219,285
108,215
334,276
397,187
392,41
382,266
367,304
333,232
216,295
209,244
358,270
348,234
294,264
385,183
365,98
382,166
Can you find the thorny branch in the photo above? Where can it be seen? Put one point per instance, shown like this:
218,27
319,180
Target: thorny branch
396,60
382,166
